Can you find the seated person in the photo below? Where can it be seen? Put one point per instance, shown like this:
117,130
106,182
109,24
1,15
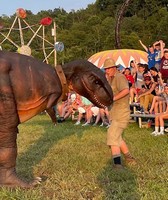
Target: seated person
82,110
73,106
60,109
159,123
159,102
104,116
91,112
147,93
155,75
74,100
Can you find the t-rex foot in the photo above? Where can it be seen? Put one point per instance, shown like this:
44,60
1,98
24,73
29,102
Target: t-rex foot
10,179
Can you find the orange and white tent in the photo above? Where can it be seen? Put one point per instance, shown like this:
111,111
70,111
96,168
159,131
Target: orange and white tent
120,56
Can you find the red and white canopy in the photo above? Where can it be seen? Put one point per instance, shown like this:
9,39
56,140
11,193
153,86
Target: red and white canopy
120,56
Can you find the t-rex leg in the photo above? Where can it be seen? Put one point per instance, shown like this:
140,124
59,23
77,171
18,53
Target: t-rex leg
51,112
8,133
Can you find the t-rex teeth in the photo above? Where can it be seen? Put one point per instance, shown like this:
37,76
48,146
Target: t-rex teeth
94,96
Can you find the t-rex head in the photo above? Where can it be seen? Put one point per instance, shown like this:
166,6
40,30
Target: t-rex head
89,81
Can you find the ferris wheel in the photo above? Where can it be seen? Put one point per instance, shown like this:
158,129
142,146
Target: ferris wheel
20,24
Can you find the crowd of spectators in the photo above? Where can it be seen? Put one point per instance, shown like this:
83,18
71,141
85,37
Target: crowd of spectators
150,89
148,85
82,111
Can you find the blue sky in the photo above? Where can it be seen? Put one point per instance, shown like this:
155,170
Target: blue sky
9,7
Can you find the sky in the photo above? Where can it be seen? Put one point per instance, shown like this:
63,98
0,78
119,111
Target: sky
9,7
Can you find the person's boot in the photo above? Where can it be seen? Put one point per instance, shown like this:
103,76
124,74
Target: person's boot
118,166
129,160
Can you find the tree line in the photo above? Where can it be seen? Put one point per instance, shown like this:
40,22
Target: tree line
87,31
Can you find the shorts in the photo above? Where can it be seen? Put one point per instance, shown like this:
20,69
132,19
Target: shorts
114,132
95,110
81,110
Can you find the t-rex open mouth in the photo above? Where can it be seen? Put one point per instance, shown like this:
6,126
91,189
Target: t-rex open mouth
93,96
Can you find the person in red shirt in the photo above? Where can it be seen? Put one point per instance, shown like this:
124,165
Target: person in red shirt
131,82
129,77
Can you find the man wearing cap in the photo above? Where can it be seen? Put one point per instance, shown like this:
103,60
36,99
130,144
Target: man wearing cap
119,114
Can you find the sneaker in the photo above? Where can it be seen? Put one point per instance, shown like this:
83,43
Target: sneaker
166,130
86,124
77,123
159,133
154,133
60,120
101,124
104,124
94,124
139,112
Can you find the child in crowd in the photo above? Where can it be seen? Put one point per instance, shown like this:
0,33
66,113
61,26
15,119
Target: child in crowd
133,68
139,81
83,110
68,108
131,82
129,77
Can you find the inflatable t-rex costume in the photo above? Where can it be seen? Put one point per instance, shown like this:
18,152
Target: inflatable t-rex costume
28,87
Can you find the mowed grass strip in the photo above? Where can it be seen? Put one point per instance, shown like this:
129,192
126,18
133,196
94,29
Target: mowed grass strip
75,163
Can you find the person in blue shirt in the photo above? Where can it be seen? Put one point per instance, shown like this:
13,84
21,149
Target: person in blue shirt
152,54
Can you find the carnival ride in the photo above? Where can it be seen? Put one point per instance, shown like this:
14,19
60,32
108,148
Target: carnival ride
37,31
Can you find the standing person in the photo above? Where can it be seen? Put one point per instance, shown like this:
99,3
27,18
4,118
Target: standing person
129,77
131,83
119,114
133,67
158,57
151,54
164,62
139,81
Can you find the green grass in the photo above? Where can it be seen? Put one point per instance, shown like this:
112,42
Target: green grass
75,163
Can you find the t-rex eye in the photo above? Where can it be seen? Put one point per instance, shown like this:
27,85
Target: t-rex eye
97,82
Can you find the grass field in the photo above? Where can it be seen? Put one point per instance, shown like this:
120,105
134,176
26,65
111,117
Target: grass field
75,163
